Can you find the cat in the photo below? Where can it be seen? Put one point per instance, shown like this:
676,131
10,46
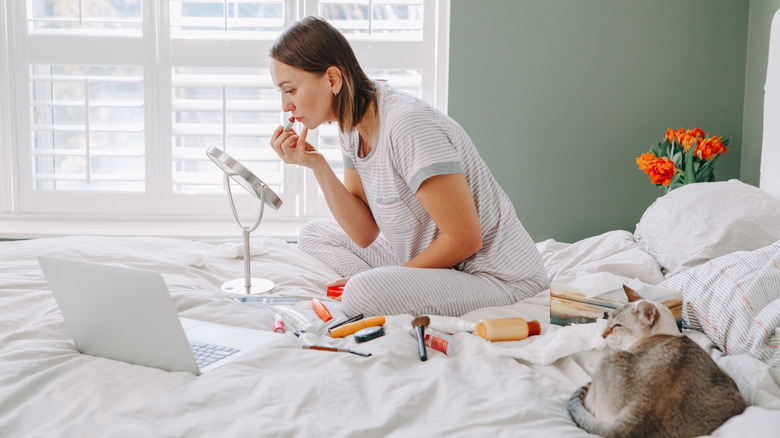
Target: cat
661,383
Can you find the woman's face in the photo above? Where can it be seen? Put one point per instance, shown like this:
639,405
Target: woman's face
309,96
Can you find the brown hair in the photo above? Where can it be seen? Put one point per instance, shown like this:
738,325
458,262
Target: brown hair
314,45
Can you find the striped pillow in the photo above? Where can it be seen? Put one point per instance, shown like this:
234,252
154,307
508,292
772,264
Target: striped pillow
735,300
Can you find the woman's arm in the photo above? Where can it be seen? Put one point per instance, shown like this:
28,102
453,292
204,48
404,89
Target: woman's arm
449,202
346,201
348,204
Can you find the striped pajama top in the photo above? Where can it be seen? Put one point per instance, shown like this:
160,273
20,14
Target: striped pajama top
415,142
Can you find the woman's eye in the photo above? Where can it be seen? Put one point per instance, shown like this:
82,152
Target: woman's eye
289,91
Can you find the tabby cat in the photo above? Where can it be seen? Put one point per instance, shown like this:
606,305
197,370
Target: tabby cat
661,384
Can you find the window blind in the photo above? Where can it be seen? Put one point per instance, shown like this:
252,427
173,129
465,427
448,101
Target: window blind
119,99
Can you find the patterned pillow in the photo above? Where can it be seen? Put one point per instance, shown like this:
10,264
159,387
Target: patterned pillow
735,300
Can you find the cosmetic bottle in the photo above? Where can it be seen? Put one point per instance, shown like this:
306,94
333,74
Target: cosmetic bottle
506,329
299,321
436,340
448,324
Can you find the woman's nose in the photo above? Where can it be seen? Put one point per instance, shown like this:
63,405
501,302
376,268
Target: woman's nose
287,105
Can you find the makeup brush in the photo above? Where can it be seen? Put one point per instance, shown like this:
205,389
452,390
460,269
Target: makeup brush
419,323
341,350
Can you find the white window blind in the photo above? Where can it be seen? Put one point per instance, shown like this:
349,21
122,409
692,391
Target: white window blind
112,103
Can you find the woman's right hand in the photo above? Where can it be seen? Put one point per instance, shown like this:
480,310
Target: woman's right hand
293,148
341,282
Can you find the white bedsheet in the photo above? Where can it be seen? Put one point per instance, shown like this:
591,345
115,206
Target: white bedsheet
49,389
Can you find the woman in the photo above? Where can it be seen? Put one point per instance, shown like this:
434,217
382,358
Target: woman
421,226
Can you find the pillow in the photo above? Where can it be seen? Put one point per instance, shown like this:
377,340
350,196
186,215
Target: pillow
699,222
735,301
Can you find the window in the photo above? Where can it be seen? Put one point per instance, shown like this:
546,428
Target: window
109,105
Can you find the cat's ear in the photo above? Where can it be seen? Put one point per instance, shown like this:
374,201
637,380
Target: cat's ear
631,294
647,312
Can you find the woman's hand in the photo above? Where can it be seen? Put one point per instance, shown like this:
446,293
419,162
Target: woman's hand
346,200
340,282
293,148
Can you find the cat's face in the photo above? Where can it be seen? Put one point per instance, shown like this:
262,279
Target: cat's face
636,321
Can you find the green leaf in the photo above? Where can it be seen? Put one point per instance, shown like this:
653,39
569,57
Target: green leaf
690,175
677,158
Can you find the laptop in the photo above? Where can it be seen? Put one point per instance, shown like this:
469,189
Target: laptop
127,314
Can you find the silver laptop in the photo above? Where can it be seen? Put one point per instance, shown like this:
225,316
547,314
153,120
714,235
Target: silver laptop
127,314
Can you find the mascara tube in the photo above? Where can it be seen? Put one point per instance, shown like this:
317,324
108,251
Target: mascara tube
345,322
348,329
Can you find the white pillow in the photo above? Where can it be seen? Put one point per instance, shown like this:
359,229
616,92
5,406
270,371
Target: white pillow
735,301
699,222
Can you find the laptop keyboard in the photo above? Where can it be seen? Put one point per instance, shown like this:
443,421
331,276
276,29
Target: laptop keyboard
206,354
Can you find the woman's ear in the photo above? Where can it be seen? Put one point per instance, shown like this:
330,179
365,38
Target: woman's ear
333,74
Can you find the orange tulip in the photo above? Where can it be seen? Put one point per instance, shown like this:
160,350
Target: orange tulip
696,132
672,135
710,147
645,160
661,171
687,140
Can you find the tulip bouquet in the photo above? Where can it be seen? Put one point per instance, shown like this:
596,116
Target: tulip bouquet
683,157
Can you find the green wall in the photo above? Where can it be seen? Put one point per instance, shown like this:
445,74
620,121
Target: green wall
561,96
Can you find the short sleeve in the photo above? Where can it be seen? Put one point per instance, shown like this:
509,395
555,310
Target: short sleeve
345,141
422,149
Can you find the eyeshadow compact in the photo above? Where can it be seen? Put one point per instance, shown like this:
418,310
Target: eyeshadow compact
369,333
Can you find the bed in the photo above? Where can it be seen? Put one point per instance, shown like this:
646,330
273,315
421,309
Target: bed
497,389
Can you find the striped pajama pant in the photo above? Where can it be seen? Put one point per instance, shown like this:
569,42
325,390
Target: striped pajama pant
379,285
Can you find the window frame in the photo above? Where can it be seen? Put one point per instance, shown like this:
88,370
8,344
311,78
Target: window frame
19,199
6,132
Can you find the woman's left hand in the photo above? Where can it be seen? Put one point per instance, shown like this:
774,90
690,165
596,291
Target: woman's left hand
293,148
338,283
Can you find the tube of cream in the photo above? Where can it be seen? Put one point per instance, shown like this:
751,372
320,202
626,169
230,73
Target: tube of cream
449,324
438,341
294,317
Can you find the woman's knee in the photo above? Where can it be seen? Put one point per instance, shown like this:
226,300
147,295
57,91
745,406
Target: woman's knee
316,231
361,296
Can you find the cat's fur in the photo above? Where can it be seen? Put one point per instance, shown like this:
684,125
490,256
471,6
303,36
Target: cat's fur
661,385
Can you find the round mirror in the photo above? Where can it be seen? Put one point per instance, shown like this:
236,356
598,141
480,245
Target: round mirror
244,177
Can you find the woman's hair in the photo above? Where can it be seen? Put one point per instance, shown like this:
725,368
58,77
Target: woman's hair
314,45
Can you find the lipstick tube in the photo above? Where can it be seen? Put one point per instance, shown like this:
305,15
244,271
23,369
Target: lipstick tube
288,124
321,310
279,323
335,291
346,330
